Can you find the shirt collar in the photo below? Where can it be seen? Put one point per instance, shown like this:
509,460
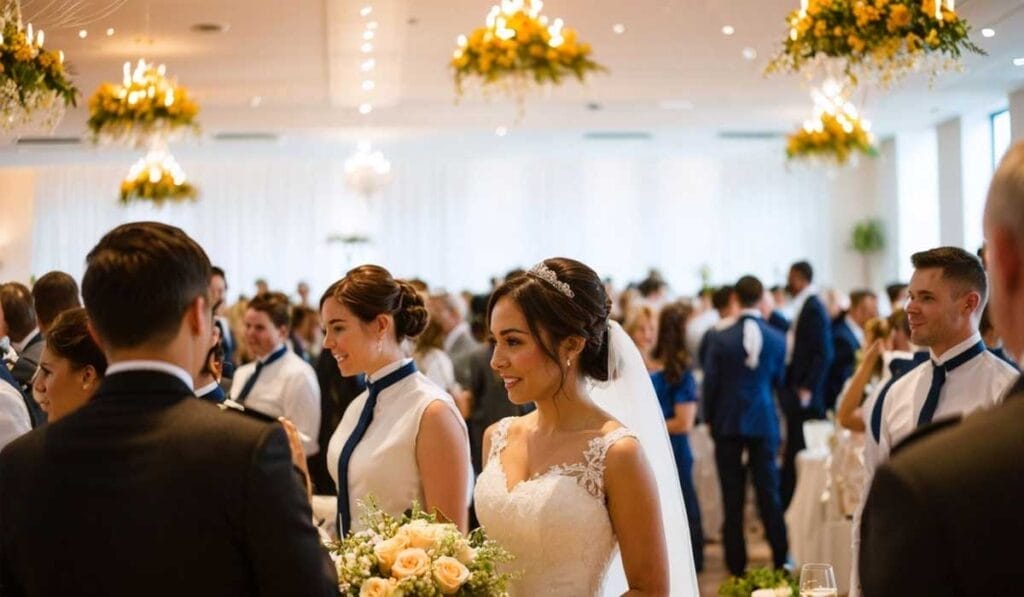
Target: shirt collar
148,365
954,351
386,369
20,346
751,312
206,389
273,352
449,340
858,332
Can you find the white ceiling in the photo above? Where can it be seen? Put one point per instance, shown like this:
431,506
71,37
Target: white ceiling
300,58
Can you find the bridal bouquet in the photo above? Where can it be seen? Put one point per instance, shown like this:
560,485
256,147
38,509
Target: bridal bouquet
417,556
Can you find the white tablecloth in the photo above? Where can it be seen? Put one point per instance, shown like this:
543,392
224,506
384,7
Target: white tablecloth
818,532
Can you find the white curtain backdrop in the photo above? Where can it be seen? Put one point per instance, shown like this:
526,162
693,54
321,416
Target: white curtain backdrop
457,221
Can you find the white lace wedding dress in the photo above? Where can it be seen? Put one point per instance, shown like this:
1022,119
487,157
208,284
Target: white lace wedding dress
556,523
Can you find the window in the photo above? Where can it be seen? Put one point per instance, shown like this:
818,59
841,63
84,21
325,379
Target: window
1000,136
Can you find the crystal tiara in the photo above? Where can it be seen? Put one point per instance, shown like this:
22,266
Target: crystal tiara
548,275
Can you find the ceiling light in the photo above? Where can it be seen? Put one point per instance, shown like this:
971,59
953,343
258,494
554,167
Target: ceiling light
749,53
1018,61
368,65
110,31
367,35
365,108
987,32
368,85
372,25
501,131
255,101
366,48
83,34
366,10
619,28
728,30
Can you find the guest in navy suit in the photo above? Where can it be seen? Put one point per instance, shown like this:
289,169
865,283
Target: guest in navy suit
847,339
745,362
724,303
809,351
677,392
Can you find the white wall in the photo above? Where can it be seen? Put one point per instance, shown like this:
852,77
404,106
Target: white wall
17,186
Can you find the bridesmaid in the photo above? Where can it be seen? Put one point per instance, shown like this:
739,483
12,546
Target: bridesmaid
677,392
71,367
403,438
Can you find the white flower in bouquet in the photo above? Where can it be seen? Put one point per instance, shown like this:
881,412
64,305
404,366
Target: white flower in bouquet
410,562
451,574
387,552
379,587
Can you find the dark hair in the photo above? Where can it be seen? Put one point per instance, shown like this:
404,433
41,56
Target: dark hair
370,290
69,338
139,281
431,337
859,296
300,313
898,320
893,291
560,317
776,288
20,315
721,296
52,294
216,271
419,284
985,326
804,270
671,346
749,291
275,305
956,264
215,355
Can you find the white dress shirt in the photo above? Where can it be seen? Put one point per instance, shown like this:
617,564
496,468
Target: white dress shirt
146,365
14,417
437,366
697,327
753,340
384,462
980,383
285,388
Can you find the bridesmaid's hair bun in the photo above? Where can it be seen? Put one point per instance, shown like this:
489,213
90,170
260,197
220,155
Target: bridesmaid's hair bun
370,290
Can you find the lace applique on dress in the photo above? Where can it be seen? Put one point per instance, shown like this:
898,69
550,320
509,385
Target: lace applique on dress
590,473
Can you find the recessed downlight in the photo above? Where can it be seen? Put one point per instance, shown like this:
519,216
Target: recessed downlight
619,28
728,30
988,32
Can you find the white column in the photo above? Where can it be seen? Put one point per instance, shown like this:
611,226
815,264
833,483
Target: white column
1017,115
17,186
951,196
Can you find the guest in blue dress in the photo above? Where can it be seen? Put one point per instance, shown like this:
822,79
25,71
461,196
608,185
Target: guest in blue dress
677,393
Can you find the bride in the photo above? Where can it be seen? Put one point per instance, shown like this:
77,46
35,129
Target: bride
590,472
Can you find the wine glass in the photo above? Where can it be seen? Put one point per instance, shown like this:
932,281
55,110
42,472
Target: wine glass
818,580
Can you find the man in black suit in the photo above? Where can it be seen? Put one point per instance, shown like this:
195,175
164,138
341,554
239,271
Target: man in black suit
944,515
143,489
810,355
18,316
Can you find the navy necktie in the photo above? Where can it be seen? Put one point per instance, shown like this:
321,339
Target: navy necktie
939,373
365,418
249,383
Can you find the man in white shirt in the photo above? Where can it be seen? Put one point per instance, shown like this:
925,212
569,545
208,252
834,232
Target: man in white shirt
278,383
947,294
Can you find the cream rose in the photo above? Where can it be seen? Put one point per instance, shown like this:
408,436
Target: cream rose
465,553
450,574
378,587
387,552
422,534
410,562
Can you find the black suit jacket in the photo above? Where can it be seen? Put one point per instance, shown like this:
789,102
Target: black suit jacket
812,356
944,516
147,491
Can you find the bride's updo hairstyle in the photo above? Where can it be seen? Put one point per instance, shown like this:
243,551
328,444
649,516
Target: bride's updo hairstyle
560,298
369,290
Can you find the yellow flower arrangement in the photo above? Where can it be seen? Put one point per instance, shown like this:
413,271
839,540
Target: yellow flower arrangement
885,39
157,178
145,107
32,79
833,135
519,46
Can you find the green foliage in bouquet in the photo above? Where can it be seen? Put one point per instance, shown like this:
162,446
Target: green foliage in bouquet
759,578
415,556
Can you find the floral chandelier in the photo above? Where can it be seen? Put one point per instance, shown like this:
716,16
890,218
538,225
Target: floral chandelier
877,40
367,171
835,133
157,178
519,48
145,110
34,87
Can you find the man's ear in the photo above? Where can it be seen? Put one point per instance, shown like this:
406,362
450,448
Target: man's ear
195,314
